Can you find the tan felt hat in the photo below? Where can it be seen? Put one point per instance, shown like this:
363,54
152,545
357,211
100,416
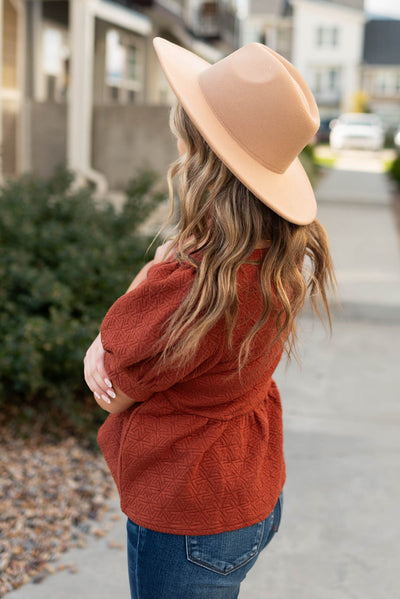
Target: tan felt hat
257,113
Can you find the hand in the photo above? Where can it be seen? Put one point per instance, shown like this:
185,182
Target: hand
96,376
111,399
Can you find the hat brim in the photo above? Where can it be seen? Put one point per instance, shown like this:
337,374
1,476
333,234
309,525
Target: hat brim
289,194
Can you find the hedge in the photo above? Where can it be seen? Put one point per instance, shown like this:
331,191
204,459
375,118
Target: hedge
394,170
64,259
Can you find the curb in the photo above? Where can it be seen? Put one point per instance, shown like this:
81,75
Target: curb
355,201
377,313
348,310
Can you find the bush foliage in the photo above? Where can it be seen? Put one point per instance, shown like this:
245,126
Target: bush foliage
394,171
64,260
309,163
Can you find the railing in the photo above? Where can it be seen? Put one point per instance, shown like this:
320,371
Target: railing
132,4
206,20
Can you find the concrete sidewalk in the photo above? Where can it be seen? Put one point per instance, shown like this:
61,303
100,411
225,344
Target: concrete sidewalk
340,531
364,242
354,186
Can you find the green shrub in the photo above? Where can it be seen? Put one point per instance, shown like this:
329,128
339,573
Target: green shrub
394,170
389,139
63,261
309,163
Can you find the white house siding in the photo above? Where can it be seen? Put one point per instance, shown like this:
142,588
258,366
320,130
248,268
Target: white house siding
382,86
263,21
261,7
310,58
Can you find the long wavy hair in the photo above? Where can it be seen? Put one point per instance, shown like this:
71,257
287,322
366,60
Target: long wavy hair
222,217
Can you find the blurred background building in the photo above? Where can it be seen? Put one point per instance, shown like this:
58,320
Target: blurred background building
327,50
380,69
80,82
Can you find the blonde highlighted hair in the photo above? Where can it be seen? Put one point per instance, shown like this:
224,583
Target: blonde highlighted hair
223,218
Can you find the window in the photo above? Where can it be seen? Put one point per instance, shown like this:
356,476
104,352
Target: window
115,58
205,22
123,68
283,40
114,93
381,83
52,51
385,83
398,83
327,36
132,63
55,57
327,82
318,82
51,86
209,9
333,77
368,84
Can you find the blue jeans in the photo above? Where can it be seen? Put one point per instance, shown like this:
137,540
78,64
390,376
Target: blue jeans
168,566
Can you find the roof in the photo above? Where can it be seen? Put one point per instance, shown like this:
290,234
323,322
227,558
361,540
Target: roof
279,8
356,4
382,42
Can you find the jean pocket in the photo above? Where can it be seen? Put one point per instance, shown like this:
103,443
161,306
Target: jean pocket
226,551
278,515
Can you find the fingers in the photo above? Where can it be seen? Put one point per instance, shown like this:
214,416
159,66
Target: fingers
95,384
101,388
95,373
105,405
98,356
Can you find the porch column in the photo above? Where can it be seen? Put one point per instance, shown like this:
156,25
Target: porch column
79,115
21,159
37,91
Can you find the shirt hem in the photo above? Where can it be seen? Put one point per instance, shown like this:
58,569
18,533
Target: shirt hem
198,531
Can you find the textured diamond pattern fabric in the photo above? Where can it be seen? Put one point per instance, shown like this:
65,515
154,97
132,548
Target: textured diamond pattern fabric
199,451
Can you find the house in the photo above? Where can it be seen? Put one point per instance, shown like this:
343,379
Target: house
80,82
269,22
380,69
327,50
322,38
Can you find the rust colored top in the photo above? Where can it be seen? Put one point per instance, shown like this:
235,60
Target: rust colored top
199,453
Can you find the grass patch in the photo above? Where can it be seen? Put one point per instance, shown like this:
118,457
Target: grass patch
387,165
325,161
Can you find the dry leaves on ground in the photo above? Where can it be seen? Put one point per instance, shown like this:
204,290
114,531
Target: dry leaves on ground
52,494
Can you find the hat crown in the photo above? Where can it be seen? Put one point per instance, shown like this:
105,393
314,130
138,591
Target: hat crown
263,102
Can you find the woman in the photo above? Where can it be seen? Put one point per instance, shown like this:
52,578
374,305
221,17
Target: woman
184,359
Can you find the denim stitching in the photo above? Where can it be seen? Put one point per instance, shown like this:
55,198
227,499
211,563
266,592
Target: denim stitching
137,564
214,568
280,503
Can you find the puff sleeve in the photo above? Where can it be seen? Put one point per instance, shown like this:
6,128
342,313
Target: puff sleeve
133,325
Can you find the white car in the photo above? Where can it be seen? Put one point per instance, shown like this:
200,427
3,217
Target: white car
357,130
